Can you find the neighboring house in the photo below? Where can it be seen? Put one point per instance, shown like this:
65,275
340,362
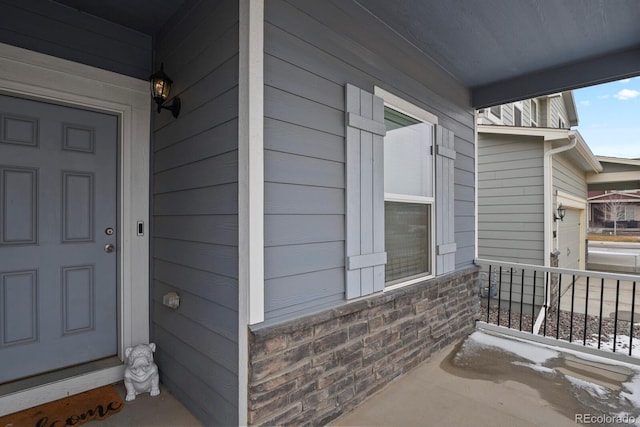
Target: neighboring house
313,204
614,198
529,164
611,210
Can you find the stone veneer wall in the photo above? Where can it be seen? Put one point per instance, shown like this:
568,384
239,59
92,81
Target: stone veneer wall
310,370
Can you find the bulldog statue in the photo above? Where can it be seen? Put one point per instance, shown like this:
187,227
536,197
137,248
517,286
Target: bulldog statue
141,373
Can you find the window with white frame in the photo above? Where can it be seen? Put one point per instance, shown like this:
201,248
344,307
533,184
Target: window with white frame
534,113
409,195
629,213
517,114
496,111
561,123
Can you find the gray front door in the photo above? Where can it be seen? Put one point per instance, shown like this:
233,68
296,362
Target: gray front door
58,204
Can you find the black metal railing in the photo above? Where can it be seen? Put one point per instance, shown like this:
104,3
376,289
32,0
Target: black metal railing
595,309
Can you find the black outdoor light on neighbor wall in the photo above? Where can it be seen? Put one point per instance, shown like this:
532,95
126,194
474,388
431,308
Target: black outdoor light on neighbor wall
160,88
560,216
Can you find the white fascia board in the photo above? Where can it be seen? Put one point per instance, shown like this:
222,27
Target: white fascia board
619,160
586,153
570,107
548,134
607,177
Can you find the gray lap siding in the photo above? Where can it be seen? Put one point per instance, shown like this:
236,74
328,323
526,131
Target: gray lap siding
308,60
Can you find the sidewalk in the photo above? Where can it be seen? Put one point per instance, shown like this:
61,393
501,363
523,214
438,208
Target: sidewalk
479,384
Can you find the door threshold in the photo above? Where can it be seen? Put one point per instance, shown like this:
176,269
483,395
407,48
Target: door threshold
29,392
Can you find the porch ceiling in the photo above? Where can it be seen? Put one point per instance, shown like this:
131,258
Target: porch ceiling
503,50
145,16
506,50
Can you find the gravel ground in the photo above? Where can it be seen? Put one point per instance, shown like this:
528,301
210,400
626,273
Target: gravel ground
568,326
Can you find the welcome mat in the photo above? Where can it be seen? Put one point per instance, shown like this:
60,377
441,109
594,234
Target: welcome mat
74,410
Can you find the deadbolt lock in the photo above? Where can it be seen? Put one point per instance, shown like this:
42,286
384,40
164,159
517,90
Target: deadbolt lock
108,231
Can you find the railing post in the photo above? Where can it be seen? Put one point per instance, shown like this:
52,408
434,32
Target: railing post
615,316
489,293
558,307
586,313
533,302
573,298
600,318
633,309
546,304
521,297
499,295
510,294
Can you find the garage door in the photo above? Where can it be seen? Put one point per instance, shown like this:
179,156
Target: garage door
569,240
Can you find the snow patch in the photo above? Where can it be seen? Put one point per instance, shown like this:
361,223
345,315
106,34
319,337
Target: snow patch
633,388
532,352
595,390
536,367
622,345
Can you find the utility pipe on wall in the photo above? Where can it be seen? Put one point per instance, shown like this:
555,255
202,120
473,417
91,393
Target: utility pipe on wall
548,215
548,196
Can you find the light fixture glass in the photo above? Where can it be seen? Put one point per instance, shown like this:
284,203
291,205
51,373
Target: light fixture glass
560,213
160,88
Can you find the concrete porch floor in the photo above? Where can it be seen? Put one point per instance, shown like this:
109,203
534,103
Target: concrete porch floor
470,383
146,411
490,387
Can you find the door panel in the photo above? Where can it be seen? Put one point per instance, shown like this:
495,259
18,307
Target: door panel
569,240
58,193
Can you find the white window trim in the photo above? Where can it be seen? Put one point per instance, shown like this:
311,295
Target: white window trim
520,107
537,116
47,78
493,116
562,124
412,110
392,197
405,107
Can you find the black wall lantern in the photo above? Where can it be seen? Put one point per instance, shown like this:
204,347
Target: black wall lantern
560,215
160,87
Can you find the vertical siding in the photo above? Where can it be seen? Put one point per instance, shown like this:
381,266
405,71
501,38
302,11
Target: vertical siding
51,28
507,114
308,60
510,198
543,113
557,109
195,212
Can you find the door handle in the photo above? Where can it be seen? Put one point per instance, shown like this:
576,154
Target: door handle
108,248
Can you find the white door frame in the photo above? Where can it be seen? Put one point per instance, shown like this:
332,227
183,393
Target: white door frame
42,77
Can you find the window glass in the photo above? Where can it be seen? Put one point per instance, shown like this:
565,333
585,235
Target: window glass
408,164
517,116
407,240
408,187
496,111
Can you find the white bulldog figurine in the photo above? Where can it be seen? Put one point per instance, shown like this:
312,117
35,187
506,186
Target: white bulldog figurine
141,373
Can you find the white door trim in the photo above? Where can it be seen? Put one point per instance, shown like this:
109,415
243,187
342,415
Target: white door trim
43,77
